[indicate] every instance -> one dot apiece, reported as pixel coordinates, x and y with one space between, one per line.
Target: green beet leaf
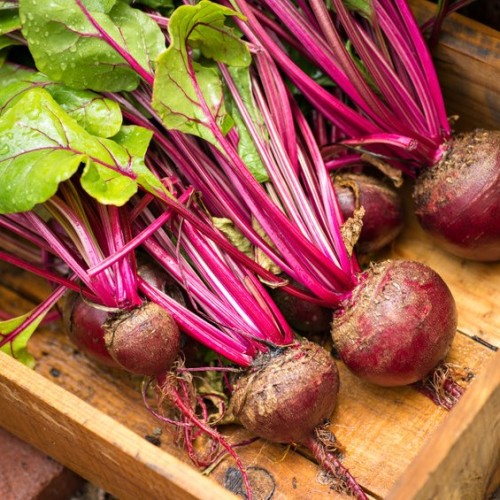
9 21
246 147
18 347
67 46
184 86
41 146
96 114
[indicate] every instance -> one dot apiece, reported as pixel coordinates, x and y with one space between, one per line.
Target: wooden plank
118 396
77 435
462 458
467 59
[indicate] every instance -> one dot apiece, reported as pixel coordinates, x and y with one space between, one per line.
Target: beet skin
383 218
145 340
398 325
83 324
458 200
287 393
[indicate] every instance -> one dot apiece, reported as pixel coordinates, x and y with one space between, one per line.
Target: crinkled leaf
180 80
18 347
67 47
41 146
9 21
246 146
234 235
96 114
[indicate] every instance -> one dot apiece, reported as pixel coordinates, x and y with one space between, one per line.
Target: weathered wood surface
94 420
463 451
468 62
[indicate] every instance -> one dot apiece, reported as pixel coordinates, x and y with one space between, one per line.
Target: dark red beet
458 200
83 323
398 325
383 218
145 340
287 394
303 316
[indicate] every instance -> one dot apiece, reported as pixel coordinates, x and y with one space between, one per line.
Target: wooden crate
398 444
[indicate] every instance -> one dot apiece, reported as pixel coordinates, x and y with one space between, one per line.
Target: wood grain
462 458
93 420
468 64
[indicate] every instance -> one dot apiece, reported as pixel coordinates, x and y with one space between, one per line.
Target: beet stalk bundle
396 112
105 316
294 204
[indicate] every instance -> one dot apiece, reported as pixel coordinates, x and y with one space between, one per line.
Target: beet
398 324
458 200
83 324
383 218
145 340
305 317
287 393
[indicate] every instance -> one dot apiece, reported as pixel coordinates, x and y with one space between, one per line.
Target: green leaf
67 47
41 146
363 7
180 80
18 347
234 235
5 42
246 146
134 139
96 114
9 21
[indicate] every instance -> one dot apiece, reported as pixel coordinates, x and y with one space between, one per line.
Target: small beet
398 325
303 316
144 340
458 200
83 324
383 218
287 393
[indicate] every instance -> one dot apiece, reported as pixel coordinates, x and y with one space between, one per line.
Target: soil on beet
458 200
399 324
287 393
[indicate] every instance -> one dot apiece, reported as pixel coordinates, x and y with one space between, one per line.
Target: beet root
305 317
83 324
398 325
458 200
145 340
287 393
383 218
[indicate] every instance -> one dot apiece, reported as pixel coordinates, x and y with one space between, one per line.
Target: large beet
398 325
287 393
458 200
383 218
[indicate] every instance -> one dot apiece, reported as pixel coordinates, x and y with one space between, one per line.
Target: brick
28 474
